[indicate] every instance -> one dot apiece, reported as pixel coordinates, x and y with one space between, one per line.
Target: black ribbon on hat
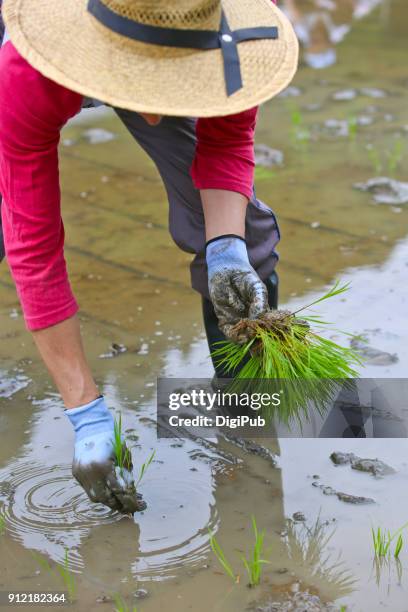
226 39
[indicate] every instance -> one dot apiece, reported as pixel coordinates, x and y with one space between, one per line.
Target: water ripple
46 510
38 500
174 535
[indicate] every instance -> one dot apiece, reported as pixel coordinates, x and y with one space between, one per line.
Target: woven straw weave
183 14
67 44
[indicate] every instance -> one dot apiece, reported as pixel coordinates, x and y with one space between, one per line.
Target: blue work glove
236 290
94 465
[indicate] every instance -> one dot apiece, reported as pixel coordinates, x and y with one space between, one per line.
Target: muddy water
133 287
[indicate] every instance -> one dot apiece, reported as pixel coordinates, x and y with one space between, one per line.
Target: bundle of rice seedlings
284 347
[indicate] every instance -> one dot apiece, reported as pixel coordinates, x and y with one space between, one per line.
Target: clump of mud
376 467
348 498
385 190
301 601
131 500
280 322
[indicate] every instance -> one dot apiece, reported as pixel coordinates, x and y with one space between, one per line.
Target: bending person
121 55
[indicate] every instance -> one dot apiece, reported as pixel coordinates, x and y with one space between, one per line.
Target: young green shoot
395 156
300 135
67 577
352 127
254 564
122 453
374 158
144 468
62 571
121 605
382 540
219 553
336 290
389 161
398 546
262 173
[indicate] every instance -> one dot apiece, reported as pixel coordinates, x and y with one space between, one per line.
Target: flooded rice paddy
335 127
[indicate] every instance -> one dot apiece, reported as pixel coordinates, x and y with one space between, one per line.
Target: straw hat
172 57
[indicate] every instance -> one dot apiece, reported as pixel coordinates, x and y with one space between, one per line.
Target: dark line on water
118 211
326 228
84 315
103 165
119 266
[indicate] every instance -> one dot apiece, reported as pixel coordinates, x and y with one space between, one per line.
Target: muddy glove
94 465
236 290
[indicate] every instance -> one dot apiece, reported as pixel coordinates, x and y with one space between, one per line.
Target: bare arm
61 348
224 212
223 170
30 123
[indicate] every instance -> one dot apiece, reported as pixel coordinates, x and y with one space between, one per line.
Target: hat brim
66 44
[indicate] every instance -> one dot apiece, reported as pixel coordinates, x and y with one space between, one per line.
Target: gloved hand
236 290
94 465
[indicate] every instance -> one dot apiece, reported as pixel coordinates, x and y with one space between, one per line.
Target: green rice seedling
122 453
61 571
398 546
296 117
374 158
280 346
254 564
389 161
121 605
395 156
67 577
262 173
2 524
352 128
382 540
144 468
300 135
219 553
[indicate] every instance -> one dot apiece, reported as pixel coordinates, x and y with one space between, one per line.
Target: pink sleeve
225 153
33 110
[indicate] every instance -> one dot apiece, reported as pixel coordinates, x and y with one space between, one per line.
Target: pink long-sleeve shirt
33 109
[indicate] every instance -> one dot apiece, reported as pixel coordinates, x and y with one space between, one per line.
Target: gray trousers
171 145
